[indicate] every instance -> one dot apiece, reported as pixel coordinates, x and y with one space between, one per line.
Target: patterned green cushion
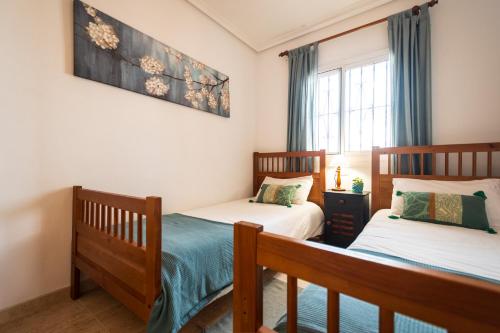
451 209
277 194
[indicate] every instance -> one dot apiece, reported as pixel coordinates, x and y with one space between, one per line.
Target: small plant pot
357 188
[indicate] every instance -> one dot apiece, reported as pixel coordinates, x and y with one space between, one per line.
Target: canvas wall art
111 52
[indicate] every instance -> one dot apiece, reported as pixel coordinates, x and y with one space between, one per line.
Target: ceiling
262 24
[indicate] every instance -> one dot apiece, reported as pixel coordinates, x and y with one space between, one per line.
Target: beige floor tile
120 320
82 325
63 317
97 301
33 306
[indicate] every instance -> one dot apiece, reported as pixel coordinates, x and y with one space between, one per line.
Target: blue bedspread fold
356 316
197 263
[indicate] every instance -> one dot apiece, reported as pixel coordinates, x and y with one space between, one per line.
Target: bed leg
77 216
75 282
247 292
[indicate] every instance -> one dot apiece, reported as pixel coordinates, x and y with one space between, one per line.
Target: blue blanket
356 316
197 263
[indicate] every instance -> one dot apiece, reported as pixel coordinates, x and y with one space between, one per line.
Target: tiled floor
96 311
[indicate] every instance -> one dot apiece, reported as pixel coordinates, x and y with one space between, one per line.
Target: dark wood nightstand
346 214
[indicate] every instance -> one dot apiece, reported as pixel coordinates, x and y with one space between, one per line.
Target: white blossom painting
111 52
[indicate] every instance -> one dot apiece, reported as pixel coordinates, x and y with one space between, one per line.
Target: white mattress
465 250
299 221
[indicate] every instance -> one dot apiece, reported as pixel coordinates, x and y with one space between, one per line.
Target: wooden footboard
457 303
109 245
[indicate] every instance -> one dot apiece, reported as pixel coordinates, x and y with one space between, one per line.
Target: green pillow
277 194
467 211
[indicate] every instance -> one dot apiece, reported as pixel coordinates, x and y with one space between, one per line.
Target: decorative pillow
443 208
277 194
491 187
302 193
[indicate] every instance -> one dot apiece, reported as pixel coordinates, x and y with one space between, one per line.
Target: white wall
57 130
465 62
466 71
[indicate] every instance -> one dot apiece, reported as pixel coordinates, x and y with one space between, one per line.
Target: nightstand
346 214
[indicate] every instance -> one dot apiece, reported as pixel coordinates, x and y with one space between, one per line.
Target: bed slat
291 302
474 164
103 217
115 221
93 214
410 164
446 164
388 164
90 210
434 164
489 171
460 162
131 227
422 163
108 220
386 321
122 224
333 319
139 230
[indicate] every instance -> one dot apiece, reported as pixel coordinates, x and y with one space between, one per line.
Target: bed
398 275
165 268
299 221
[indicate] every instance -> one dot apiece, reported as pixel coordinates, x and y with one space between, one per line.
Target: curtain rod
415 11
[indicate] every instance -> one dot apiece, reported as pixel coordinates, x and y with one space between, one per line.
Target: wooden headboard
442 162
291 165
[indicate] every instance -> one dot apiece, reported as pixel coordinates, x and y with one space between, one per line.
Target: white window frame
340 114
344 65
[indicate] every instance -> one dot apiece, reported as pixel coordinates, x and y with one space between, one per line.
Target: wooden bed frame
292 165
457 303
105 247
393 157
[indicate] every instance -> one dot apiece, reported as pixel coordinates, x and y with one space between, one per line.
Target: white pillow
302 193
491 188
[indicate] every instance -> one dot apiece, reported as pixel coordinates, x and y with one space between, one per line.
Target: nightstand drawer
343 203
346 224
341 230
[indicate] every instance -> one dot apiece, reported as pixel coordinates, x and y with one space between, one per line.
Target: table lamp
340 162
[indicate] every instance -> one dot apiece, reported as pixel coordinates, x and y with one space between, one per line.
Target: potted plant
357 185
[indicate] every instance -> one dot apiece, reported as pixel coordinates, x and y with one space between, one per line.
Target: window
328 111
353 111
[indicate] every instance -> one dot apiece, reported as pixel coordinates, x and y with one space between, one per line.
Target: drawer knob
341 202
328 223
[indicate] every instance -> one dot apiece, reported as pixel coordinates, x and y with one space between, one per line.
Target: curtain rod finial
283 54
416 9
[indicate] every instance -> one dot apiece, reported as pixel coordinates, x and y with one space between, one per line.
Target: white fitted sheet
299 221
465 250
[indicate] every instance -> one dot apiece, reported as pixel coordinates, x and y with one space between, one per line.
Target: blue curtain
410 58
302 91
